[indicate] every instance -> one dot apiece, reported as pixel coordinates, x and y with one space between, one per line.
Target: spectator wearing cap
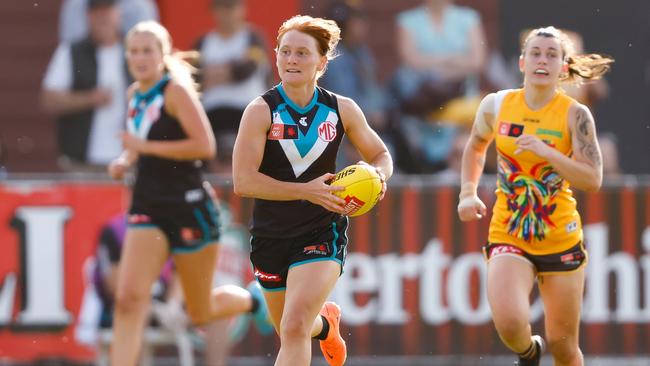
84 87
234 70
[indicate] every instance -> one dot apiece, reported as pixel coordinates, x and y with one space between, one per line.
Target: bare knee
131 301
511 327
295 327
565 349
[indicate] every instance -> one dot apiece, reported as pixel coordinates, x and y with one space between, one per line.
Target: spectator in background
451 174
73 27
172 209
352 73
609 149
442 50
234 69
84 86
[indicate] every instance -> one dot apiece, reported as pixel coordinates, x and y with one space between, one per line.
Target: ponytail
586 67
179 66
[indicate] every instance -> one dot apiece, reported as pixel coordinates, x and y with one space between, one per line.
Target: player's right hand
471 208
319 192
117 168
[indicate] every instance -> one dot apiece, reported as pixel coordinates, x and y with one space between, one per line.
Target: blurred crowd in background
423 108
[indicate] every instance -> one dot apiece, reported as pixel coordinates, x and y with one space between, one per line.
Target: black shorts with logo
566 261
188 226
272 257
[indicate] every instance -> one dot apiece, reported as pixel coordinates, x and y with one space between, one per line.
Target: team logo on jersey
327 131
510 129
281 131
304 150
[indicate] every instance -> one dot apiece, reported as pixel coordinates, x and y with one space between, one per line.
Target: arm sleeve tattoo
586 137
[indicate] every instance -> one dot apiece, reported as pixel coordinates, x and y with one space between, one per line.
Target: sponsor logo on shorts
194 195
572 259
139 219
267 277
505 249
318 249
190 234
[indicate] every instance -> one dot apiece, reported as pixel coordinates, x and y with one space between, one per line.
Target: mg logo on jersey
327 131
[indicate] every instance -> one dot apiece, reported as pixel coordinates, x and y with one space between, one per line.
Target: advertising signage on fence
414 281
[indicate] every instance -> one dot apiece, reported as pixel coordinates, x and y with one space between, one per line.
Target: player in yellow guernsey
546 142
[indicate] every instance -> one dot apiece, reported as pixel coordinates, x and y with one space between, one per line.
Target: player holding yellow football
284 156
545 141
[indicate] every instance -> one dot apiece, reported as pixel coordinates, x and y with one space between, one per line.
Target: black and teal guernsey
301 145
161 181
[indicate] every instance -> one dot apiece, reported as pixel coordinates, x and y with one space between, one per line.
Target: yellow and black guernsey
535 209
301 145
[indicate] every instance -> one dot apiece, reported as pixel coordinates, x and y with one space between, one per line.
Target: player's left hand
533 144
131 142
382 178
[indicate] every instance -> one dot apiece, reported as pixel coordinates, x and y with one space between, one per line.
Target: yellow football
362 188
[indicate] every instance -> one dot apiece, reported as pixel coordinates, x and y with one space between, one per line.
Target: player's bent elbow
595 187
210 152
240 188
592 185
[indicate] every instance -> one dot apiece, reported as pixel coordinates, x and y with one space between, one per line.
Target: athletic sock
255 304
531 352
326 328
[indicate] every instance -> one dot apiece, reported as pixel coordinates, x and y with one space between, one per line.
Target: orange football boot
333 346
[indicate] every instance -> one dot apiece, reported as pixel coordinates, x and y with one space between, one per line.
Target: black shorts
566 261
272 257
188 226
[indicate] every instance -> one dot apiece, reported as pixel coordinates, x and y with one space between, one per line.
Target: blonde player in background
172 207
545 141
